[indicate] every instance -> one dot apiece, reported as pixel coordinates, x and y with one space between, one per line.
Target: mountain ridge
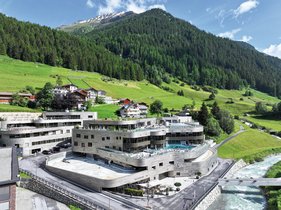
85 26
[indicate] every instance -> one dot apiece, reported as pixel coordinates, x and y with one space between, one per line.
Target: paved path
184 199
258 182
28 200
231 137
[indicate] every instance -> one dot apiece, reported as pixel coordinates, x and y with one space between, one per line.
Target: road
184 198
229 138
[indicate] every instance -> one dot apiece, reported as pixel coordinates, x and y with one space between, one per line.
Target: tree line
162 44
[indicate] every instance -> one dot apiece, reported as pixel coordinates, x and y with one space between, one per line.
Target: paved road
229 138
32 165
184 198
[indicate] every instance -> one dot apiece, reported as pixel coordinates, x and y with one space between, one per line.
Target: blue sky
254 21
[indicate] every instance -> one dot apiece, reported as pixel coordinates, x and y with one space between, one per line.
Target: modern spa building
119 153
35 132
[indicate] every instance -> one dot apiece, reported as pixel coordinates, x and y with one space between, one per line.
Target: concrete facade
8 178
35 132
150 149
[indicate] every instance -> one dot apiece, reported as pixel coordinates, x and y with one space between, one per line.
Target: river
245 198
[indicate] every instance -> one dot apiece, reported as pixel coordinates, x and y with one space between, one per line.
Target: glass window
5 206
90 144
78 135
75 143
86 136
82 144
4 193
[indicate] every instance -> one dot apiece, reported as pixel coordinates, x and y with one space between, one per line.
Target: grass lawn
24 175
10 108
105 110
250 144
271 123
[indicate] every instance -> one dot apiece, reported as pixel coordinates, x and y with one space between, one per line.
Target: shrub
135 192
177 184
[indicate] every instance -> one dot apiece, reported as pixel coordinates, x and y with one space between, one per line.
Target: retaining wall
214 193
57 193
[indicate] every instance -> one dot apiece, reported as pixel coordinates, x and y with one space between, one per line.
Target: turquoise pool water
178 146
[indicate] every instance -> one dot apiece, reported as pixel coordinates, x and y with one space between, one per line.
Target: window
67 131
90 116
4 193
86 136
75 143
61 131
114 147
82 144
154 167
161 164
92 136
172 162
78 135
90 144
5 206
178 173
108 138
103 138
116 137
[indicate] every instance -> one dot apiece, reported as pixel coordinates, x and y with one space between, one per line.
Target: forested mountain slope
32 42
163 44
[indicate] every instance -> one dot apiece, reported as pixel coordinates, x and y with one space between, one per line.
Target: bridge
258 182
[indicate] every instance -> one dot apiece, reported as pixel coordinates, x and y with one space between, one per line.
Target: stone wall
209 199
216 191
59 194
237 166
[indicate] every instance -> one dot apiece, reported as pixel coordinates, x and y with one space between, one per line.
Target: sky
257 22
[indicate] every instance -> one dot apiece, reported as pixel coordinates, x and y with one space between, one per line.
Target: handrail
57 188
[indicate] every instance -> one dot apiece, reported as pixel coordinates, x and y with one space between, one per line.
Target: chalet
133 110
124 101
70 87
6 97
130 110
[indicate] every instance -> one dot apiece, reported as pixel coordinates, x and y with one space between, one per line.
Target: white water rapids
245 198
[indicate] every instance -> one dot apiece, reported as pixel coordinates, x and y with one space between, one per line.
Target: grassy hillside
251 145
15 75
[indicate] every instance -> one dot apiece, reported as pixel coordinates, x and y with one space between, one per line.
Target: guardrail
196 203
82 201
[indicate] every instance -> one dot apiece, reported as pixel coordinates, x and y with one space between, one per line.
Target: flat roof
90 167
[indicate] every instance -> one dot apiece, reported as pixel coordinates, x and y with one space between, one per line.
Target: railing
196 203
82 201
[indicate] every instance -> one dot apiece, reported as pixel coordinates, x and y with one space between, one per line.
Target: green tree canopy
156 107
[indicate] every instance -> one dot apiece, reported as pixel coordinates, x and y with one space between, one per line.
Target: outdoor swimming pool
178 146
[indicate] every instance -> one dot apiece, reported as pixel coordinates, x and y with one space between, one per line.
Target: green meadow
16 74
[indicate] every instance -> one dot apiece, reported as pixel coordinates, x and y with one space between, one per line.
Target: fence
63 192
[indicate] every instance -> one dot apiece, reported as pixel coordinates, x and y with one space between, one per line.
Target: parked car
56 149
46 152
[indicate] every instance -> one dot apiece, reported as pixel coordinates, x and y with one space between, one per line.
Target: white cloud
273 50
246 38
246 7
230 34
90 3
110 6
157 6
137 6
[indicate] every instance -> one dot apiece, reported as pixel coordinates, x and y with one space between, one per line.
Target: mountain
162 44
32 42
85 26
153 45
